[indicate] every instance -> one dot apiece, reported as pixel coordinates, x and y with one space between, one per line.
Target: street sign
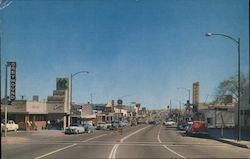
119 101
12 80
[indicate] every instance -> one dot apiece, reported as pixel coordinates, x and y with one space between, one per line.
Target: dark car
182 125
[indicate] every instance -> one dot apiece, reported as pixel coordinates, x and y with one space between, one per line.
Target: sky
137 50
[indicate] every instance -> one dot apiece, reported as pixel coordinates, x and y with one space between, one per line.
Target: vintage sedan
74 129
169 123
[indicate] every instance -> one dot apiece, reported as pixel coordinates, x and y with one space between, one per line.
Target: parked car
115 125
122 124
133 123
196 128
108 126
74 129
151 122
11 126
89 128
103 126
100 125
157 122
182 125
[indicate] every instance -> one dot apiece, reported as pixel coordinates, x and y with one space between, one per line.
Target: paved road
144 141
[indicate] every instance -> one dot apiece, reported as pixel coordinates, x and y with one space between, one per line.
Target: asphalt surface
144 141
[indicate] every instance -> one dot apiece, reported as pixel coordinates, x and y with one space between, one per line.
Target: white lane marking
93 138
47 154
113 151
115 147
133 133
173 151
158 137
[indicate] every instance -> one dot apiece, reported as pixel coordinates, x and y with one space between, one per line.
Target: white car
170 123
11 126
74 129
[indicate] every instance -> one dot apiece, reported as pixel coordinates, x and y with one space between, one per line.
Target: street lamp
71 77
237 41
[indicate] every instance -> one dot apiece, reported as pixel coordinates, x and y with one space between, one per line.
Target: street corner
13 140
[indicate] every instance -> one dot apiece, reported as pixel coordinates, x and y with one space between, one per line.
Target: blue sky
141 49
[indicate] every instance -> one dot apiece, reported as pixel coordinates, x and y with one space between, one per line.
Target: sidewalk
24 136
229 136
11 139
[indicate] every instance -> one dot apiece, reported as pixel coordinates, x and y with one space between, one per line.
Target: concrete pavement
144 141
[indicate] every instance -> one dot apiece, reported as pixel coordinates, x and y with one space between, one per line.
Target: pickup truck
197 128
11 126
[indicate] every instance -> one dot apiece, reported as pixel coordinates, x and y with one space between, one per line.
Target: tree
229 87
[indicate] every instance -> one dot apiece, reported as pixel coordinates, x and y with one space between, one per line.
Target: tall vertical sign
196 93
12 80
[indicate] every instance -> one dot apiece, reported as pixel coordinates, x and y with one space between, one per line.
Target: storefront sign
62 83
12 80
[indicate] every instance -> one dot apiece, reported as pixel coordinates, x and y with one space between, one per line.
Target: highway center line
93 138
47 154
158 137
115 147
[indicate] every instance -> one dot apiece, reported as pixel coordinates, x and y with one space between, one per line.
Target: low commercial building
245 109
29 115
33 115
219 117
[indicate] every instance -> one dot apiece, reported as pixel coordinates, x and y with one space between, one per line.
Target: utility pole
91 99
6 102
170 106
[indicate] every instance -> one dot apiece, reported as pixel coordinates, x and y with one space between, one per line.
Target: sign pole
6 101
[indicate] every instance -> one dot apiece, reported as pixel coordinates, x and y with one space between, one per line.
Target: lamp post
71 77
237 41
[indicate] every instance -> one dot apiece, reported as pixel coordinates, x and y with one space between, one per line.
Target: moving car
74 129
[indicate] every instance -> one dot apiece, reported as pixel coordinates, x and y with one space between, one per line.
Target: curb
230 142
226 141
